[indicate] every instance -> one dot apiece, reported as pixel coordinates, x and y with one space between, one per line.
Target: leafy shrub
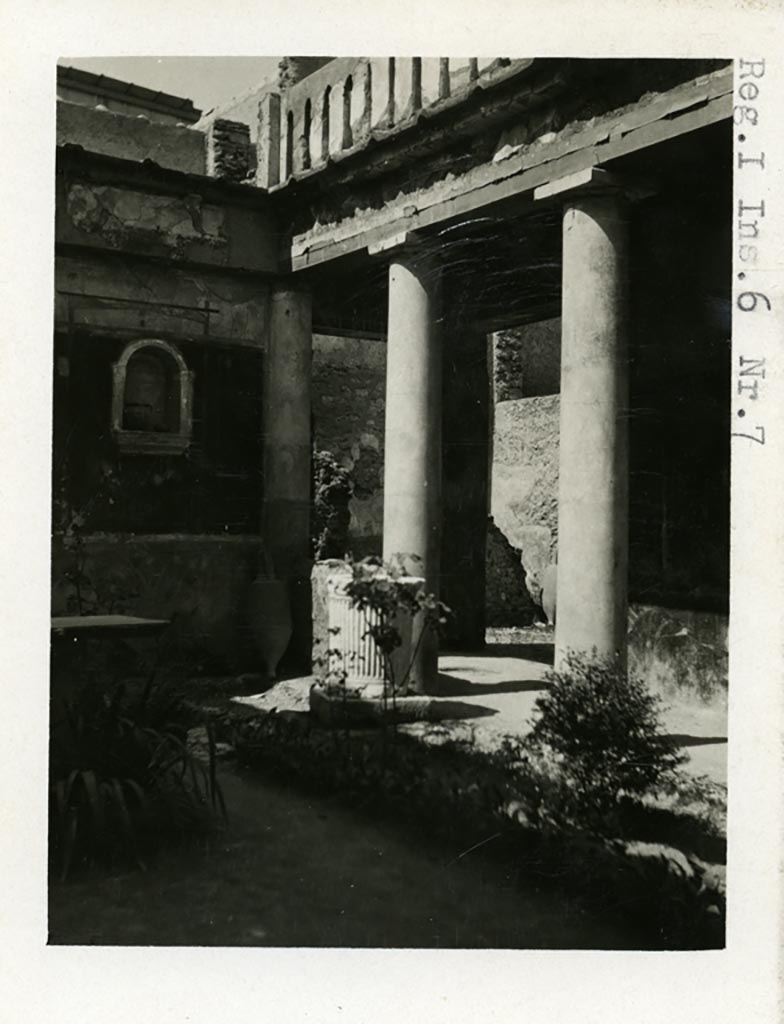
602 731
122 777
332 490
384 590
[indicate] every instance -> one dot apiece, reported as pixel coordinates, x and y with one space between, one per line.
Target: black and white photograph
408 420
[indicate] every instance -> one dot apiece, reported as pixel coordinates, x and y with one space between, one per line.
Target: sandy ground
492 694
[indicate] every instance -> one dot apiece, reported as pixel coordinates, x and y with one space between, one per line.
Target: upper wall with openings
335 109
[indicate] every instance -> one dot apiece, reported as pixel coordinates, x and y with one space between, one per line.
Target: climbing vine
332 490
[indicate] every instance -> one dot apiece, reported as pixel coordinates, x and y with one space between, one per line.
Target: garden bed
667 870
296 869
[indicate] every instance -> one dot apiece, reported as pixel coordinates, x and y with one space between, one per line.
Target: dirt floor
294 870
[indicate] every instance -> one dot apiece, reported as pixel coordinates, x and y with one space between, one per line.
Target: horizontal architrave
682 110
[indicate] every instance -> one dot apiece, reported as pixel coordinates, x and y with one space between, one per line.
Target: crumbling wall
524 495
507 601
131 138
230 154
192 224
526 364
293 69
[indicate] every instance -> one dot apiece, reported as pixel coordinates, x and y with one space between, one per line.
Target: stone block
268 143
431 74
361 100
338 710
460 74
336 119
380 113
404 89
316 147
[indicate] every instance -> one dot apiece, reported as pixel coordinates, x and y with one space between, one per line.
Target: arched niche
152 392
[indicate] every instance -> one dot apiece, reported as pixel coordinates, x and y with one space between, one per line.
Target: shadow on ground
684 740
458 709
457 686
541 652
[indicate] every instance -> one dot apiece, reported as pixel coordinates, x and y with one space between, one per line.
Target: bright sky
208 81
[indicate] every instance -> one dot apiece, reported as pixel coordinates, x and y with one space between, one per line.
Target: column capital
402 246
594 181
391 243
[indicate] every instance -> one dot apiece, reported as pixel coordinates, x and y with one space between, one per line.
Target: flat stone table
68 630
105 626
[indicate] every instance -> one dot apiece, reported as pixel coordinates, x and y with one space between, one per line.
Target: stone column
287 453
593 483
412 443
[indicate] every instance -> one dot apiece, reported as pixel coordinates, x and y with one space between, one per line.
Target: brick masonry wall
229 150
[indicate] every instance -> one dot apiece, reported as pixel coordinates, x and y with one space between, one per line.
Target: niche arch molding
170 427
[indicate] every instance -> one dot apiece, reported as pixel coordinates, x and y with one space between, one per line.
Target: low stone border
455 789
338 710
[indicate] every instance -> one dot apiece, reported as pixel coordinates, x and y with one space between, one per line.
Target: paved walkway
493 693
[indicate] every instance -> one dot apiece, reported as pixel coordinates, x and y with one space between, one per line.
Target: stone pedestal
359 657
593 478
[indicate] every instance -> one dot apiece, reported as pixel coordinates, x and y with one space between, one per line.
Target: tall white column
412 445
593 482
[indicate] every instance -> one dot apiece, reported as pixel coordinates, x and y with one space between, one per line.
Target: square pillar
268 143
466 461
412 446
593 490
287 455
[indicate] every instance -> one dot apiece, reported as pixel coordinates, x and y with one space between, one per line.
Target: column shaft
593 481
412 445
287 451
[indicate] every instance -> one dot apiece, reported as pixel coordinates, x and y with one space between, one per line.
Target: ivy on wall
332 490
508 366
